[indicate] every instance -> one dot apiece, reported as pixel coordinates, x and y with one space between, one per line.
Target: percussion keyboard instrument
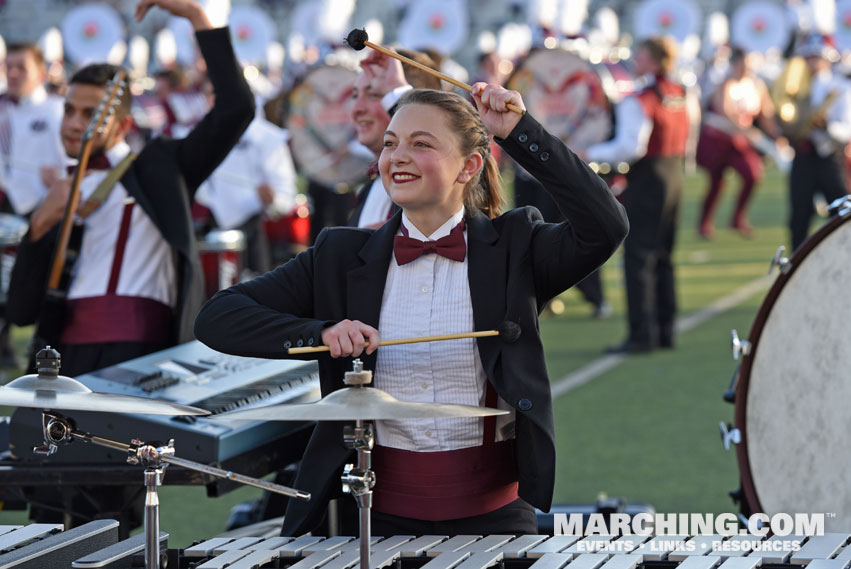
830 551
95 544
190 374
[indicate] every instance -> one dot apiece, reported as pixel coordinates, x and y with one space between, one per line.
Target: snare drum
794 389
221 259
12 230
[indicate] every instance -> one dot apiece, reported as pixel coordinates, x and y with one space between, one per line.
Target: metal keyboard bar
738 546
829 564
421 545
316 559
28 533
488 543
589 544
226 559
518 547
295 547
845 554
622 561
327 544
555 544
241 543
254 559
113 553
392 543
446 560
697 546
741 563
270 544
588 561
819 547
206 548
658 548
699 562
482 560
452 544
782 553
7 529
551 561
61 549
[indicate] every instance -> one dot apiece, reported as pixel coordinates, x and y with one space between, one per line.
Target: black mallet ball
357 39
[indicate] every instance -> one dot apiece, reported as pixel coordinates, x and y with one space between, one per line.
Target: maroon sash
447 485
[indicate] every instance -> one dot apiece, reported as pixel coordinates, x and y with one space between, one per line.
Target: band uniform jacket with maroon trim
517 263
163 180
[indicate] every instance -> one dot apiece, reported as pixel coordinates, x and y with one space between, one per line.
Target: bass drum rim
751 497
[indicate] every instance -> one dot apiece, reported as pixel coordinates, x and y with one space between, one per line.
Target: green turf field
647 430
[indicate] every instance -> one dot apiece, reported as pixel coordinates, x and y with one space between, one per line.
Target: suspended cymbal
60 392
357 403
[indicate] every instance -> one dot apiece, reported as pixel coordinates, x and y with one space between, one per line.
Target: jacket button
545 156
300 343
310 341
524 404
522 138
533 147
288 345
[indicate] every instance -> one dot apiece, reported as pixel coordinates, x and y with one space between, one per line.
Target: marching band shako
759 26
221 254
679 19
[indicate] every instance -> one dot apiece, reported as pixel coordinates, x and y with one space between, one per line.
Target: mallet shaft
482 334
431 71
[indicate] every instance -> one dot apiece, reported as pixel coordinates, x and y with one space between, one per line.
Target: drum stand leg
153 478
359 481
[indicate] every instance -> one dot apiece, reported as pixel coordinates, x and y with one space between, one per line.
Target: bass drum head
564 92
793 399
320 126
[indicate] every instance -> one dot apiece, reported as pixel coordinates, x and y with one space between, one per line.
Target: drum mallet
358 39
509 331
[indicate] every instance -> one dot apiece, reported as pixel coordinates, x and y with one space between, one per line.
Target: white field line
691 321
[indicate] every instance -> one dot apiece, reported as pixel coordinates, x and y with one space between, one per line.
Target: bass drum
792 399
567 94
319 122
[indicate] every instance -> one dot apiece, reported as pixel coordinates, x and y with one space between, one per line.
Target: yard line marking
691 321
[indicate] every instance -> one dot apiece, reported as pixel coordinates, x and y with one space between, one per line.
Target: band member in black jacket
448 262
136 284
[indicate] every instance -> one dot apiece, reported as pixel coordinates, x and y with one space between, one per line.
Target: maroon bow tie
452 246
96 162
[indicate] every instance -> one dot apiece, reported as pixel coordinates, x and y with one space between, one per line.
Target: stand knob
740 347
729 435
780 262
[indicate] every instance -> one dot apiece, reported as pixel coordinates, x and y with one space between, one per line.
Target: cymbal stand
359 480
154 456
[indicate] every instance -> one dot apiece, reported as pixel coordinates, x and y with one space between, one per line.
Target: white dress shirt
431 296
838 130
632 133
148 268
32 127
260 157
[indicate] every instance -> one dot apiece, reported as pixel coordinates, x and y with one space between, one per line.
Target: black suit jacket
517 263
163 179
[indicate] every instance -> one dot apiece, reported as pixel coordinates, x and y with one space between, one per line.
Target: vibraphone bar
96 545
829 551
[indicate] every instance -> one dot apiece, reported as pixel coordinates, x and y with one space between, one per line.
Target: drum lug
840 206
780 261
729 434
740 347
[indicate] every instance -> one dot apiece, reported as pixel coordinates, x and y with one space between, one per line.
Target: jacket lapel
366 283
486 268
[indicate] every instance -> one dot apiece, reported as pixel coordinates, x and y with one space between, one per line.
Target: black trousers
812 174
652 205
